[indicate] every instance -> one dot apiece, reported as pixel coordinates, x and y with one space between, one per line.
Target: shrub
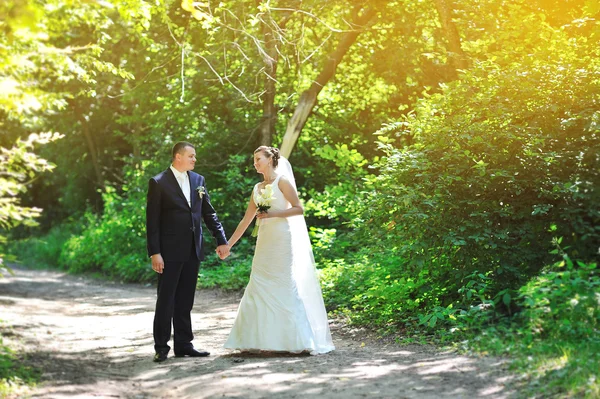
114 243
43 251
490 170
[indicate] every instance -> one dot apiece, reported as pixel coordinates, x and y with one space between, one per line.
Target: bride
282 308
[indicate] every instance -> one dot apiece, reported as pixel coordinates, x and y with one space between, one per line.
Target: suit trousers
174 302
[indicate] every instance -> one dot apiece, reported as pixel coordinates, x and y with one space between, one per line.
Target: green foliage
555 335
115 243
563 301
339 199
18 167
440 223
14 376
494 170
231 275
44 251
233 186
375 290
472 188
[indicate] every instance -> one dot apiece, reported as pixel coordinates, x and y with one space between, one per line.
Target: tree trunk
308 99
457 57
92 150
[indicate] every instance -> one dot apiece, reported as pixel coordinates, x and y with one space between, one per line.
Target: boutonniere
201 191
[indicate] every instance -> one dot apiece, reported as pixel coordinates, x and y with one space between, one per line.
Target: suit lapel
192 196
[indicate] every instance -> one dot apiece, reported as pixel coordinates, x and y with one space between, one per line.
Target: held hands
223 251
158 264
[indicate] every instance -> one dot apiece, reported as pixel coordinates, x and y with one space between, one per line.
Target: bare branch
316 50
269 76
143 80
67 50
308 99
312 16
239 90
256 41
236 45
210 66
181 99
173 36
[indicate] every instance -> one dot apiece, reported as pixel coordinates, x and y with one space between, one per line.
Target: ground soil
93 339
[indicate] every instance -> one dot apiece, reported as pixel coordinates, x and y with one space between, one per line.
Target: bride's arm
290 194
244 223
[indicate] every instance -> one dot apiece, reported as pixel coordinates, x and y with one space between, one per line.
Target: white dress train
272 315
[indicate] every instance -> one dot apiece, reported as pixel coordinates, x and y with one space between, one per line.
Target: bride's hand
263 215
267 214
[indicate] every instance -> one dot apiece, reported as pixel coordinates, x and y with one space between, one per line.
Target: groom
177 203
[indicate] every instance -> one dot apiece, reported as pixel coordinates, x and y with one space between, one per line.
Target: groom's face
186 159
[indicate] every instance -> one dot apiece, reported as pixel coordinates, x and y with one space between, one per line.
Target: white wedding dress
282 308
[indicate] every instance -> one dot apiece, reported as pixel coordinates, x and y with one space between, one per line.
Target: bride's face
261 162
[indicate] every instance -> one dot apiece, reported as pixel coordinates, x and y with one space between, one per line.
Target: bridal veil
305 273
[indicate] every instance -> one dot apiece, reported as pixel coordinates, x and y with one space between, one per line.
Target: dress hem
311 351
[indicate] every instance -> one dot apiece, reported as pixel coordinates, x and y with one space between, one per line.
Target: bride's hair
270 152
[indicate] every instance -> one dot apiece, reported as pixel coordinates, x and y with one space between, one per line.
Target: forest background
447 153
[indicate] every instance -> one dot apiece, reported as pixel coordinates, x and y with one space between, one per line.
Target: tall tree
308 99
276 42
270 58
458 58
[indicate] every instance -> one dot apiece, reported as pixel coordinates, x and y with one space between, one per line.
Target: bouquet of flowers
264 203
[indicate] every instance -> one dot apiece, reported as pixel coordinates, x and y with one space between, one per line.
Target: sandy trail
93 339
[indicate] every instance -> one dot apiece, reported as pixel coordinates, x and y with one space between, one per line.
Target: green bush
555 337
489 170
114 243
14 375
378 289
563 302
231 275
43 251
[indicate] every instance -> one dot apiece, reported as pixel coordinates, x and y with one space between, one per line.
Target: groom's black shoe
191 352
160 356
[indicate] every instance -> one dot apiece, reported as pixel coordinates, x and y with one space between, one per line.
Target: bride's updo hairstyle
270 152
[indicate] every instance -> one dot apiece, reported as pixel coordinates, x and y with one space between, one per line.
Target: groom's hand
223 251
158 264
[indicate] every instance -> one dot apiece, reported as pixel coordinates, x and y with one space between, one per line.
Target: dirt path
93 340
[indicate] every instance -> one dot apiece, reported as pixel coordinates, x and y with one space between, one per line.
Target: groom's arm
153 218
209 215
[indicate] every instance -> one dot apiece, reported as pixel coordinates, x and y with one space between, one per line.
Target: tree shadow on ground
114 357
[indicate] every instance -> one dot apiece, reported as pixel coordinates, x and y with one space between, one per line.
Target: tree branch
308 99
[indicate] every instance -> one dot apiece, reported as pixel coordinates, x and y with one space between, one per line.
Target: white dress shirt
184 183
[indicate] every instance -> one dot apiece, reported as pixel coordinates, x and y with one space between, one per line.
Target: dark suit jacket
171 224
